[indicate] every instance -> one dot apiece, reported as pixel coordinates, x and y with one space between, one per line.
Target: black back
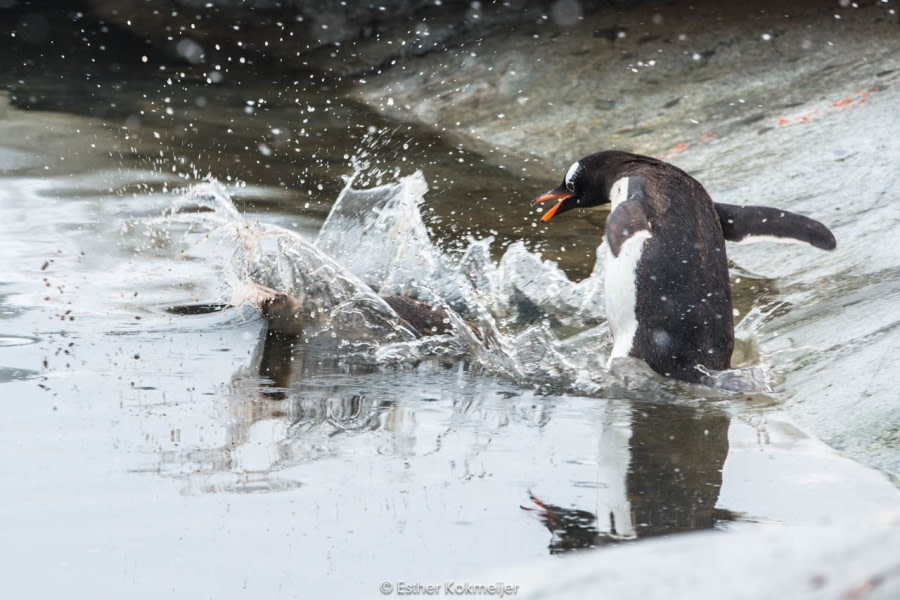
683 305
683 294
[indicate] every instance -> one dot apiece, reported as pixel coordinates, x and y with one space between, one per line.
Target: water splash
520 317
276 270
379 236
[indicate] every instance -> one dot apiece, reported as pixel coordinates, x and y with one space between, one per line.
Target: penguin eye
570 185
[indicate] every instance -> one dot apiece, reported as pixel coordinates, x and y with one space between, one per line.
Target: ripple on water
12 340
196 309
8 374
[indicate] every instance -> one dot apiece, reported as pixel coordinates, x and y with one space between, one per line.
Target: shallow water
156 438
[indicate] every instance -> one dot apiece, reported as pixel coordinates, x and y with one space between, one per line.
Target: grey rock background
654 78
555 79
333 35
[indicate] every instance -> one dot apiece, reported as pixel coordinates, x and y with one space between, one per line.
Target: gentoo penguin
668 297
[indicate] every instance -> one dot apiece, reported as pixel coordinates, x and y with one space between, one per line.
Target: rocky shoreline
539 84
654 78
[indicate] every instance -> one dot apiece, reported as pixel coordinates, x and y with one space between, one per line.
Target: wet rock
775 561
342 37
652 78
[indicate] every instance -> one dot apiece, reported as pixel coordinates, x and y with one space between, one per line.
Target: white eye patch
571 174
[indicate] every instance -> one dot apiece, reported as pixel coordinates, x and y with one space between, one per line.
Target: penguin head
587 183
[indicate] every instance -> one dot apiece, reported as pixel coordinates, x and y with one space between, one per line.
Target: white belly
621 292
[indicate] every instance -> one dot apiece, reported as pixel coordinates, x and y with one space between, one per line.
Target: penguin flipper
758 223
627 219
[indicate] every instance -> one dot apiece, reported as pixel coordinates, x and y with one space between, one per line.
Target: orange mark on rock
804 118
859 98
707 137
673 151
679 148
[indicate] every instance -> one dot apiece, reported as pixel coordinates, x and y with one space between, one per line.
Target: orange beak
551 196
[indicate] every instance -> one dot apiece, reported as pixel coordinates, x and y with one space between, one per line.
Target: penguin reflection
268 390
275 365
280 367
288 383
664 478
